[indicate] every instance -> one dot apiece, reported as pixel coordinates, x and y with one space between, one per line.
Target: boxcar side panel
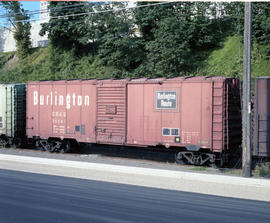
46 96
196 114
135 117
88 112
62 109
9 110
153 114
3 109
168 103
171 114
262 117
32 110
12 110
206 115
152 118
73 110
59 112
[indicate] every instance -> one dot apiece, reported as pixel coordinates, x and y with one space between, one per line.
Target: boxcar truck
198 117
12 114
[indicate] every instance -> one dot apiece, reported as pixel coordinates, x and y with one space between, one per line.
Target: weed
236 172
262 170
198 168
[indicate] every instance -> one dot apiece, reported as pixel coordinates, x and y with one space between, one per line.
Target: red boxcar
261 121
200 117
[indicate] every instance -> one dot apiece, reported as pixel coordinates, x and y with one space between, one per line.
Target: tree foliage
261 24
18 17
159 40
118 45
66 32
173 36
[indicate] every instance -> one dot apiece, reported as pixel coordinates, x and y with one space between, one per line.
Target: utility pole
246 113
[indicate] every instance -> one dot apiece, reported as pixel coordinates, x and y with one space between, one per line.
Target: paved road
28 197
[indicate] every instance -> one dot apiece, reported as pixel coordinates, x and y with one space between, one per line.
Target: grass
50 64
5 57
235 172
224 61
262 170
228 60
198 168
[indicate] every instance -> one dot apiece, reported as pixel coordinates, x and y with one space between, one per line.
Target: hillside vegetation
228 60
39 65
151 40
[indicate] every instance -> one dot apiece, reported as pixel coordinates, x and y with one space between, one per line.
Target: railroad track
129 156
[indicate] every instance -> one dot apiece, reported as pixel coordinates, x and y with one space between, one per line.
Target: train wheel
65 147
218 163
49 148
17 143
179 158
4 142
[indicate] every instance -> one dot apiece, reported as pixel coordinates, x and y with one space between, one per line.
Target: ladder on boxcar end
217 115
226 113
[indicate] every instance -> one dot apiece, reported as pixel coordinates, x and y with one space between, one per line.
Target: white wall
36 39
7 42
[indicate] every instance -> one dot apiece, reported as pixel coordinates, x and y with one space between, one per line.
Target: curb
201 177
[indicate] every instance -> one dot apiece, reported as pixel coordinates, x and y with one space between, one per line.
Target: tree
260 21
18 17
174 33
261 24
118 46
65 31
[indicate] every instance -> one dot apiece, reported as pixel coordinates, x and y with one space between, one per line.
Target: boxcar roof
136 80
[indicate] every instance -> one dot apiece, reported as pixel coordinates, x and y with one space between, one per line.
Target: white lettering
60 100
68 101
74 99
86 100
35 97
166 95
55 99
41 98
165 103
79 101
51 98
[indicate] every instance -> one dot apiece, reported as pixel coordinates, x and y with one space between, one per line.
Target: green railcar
12 113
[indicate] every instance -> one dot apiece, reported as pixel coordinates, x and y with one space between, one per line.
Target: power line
96 12
32 12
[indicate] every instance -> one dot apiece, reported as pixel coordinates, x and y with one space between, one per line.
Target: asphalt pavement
28 197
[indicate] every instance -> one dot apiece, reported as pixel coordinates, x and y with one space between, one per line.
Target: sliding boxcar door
111 112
